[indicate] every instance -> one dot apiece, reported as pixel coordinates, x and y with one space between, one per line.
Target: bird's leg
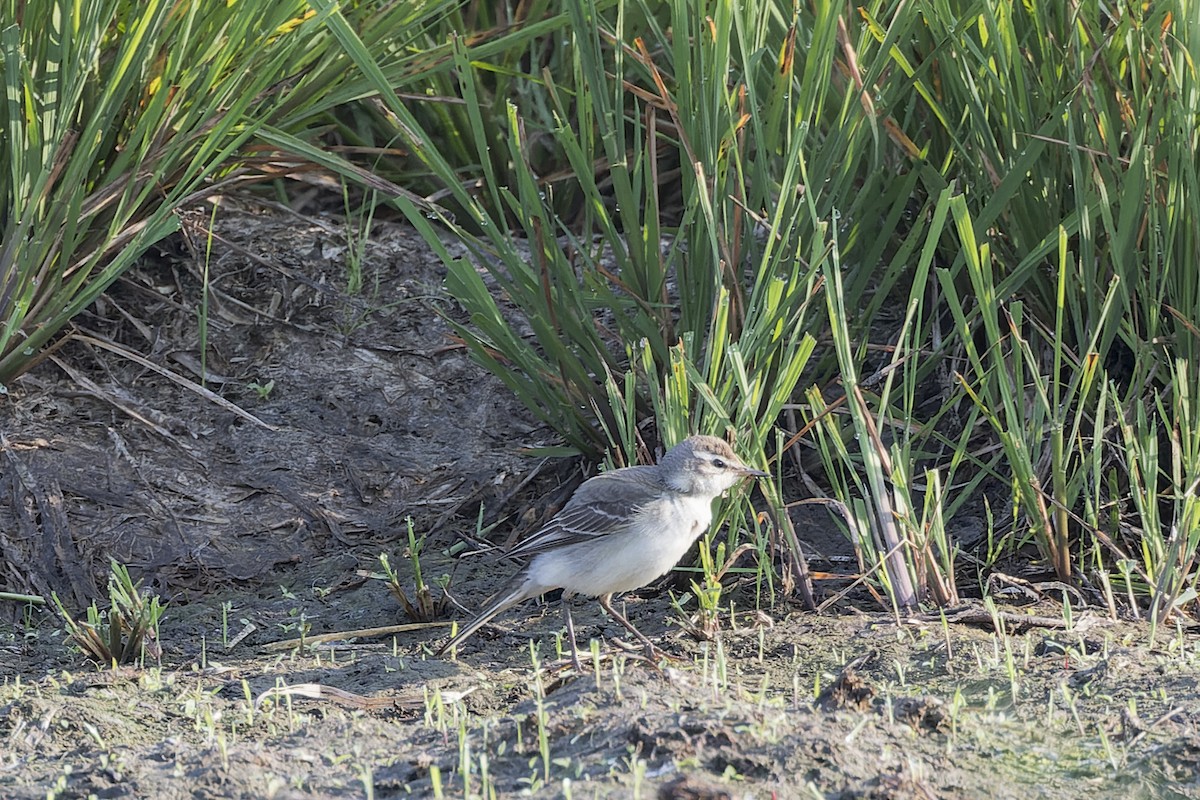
566 604
652 652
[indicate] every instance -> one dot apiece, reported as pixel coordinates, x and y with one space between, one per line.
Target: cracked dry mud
360 412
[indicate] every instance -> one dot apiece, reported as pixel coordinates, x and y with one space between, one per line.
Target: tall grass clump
668 229
1060 143
120 114
1074 292
117 114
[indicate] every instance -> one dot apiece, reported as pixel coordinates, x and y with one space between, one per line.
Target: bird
620 530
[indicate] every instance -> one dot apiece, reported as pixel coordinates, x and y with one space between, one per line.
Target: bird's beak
753 473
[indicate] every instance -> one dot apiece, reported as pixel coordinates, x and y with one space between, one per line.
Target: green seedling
127 631
263 390
435 780
358 235
423 607
704 624
541 715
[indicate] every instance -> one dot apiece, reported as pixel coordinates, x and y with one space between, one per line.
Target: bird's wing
602 505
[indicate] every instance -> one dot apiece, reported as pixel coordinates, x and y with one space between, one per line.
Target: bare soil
262 521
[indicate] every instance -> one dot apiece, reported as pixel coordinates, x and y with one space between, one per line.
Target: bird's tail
505 599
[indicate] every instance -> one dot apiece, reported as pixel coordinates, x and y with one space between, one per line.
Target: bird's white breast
621 561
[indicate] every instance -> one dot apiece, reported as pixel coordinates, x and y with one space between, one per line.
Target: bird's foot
647 651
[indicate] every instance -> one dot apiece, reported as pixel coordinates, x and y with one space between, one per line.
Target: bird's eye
719 463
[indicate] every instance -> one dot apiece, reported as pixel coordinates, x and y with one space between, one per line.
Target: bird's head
704 465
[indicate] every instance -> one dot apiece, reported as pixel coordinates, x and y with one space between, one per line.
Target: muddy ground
261 520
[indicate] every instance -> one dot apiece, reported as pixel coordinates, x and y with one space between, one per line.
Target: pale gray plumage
621 530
